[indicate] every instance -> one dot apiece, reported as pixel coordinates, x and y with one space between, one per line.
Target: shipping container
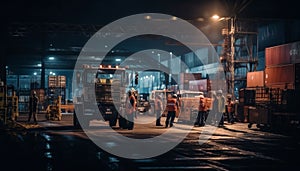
295 52
218 84
199 85
282 86
256 79
186 77
282 76
277 55
283 54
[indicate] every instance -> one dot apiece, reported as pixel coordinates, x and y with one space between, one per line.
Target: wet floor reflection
42 151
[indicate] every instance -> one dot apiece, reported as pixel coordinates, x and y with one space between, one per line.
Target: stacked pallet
56 88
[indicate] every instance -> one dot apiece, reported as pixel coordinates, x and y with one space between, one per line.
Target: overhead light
215 17
51 58
34 73
39 65
148 17
118 59
174 18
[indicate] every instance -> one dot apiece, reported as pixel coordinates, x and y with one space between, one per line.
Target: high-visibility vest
230 107
171 104
202 105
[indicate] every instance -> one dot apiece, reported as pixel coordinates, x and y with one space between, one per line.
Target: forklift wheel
249 125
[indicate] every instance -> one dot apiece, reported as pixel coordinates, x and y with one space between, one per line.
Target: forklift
53 111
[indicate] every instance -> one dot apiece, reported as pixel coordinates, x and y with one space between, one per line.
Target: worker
214 109
230 110
130 109
202 109
158 107
33 105
221 106
172 106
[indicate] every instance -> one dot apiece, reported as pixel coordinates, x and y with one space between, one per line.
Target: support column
43 75
232 54
3 62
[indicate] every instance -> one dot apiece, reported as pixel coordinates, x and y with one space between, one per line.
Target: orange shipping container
283 54
255 79
277 55
281 75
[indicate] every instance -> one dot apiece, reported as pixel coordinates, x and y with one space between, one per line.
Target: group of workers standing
220 106
172 107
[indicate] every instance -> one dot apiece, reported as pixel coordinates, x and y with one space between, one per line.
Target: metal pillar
3 64
232 54
43 75
240 52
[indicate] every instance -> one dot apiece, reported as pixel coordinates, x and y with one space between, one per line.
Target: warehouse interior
41 41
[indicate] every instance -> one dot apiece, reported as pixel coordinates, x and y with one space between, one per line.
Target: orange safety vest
202 105
171 104
230 107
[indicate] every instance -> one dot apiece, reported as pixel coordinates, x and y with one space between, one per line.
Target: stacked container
282 66
256 79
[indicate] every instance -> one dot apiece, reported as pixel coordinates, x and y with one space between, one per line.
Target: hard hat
34 92
219 92
229 96
201 97
174 95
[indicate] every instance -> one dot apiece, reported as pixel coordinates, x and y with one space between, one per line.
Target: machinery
270 107
109 83
189 105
